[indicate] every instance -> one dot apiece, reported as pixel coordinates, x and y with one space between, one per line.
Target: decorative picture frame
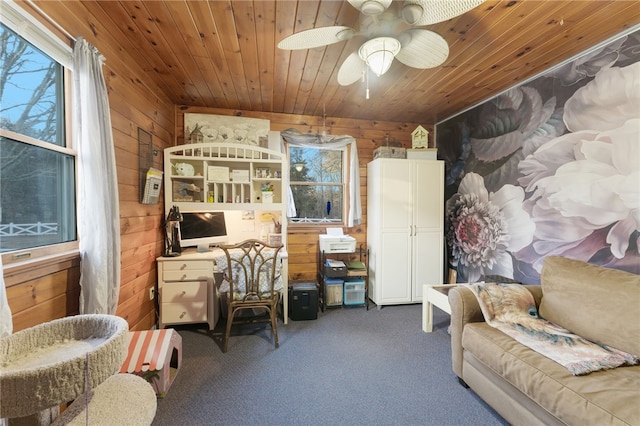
208 128
263 173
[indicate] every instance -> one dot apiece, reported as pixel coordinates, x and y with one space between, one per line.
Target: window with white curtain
37 162
317 180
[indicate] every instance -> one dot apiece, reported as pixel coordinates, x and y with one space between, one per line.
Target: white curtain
98 206
6 322
315 140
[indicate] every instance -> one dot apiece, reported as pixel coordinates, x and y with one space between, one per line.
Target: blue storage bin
353 291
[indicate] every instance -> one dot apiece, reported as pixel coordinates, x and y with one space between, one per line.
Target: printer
334 241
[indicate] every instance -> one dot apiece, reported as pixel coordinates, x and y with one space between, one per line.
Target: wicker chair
251 272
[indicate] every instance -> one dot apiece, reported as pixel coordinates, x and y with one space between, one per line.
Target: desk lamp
172 233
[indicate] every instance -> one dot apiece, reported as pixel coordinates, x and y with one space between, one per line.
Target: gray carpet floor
348 367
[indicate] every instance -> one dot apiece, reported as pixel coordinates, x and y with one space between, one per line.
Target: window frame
345 190
34 32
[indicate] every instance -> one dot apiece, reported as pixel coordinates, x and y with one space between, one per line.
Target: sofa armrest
464 310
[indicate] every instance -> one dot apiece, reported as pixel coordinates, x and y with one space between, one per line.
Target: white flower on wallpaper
589 64
609 100
485 228
585 184
513 125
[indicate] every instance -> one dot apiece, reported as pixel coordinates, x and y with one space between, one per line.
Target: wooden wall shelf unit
215 176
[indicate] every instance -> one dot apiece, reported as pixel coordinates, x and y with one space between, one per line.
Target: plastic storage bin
354 292
333 291
335 268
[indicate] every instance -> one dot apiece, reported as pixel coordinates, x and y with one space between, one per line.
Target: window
37 166
317 184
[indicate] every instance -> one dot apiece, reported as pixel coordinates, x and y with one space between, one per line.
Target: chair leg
227 333
274 326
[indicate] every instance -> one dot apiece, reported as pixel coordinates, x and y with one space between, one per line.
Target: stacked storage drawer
353 291
333 291
334 272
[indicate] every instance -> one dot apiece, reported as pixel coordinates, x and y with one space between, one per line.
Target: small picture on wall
207 128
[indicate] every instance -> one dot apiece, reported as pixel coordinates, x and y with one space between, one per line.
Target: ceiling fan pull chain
367 82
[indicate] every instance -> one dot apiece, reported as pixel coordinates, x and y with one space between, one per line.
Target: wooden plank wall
42 294
303 243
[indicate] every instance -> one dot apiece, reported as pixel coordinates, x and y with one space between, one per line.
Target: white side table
437 295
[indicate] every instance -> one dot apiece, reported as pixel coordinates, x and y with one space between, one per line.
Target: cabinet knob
182 315
183 267
183 276
184 293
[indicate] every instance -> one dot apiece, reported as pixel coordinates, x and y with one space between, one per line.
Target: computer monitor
203 229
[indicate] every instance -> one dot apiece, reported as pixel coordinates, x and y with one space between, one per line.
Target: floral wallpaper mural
551 167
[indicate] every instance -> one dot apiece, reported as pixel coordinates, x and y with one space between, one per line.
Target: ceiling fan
389 32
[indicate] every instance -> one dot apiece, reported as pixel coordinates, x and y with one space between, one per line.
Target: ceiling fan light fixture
412 12
378 53
373 7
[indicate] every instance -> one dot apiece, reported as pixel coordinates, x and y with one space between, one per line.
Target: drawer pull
184 292
182 315
183 267
184 276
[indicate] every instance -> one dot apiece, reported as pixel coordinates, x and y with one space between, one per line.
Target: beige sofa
526 388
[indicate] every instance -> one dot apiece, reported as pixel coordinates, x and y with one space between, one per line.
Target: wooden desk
203 303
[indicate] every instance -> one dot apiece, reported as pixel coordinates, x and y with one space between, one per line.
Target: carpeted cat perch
56 362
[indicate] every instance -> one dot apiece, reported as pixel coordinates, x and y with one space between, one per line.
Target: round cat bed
46 365
122 399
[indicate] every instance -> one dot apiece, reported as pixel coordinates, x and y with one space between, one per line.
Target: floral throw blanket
511 309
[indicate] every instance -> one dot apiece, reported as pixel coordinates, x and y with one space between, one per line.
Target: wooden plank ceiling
223 54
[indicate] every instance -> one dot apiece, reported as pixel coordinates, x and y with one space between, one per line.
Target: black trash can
303 301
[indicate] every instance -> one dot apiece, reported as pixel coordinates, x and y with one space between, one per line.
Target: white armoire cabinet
405 228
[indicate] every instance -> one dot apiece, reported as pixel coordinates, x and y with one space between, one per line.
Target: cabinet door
428 211
394 274
396 194
427 261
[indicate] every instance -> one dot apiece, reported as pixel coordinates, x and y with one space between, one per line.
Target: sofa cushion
603 397
597 303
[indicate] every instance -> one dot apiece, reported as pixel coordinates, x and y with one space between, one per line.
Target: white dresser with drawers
187 291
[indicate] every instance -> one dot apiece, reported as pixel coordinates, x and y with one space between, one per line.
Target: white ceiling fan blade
351 69
370 7
427 12
316 37
422 48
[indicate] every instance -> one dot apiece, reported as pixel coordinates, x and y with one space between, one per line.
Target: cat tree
73 358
